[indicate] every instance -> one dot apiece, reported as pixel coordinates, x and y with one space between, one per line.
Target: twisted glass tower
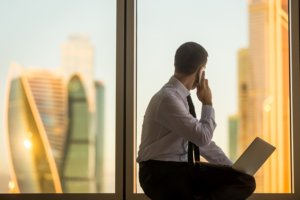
52 134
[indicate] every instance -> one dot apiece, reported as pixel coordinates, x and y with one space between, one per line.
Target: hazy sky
32 32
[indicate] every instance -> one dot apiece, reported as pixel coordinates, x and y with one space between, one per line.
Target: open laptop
254 156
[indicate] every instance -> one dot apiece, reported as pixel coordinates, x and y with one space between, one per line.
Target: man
172 137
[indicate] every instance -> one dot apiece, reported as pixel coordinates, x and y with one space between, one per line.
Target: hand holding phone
201 76
203 90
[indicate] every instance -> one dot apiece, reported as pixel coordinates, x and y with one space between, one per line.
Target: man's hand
203 91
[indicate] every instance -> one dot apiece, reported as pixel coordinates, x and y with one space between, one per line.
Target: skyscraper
245 100
79 166
267 113
100 106
77 57
36 129
233 122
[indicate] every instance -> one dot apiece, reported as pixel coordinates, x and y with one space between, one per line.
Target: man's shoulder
164 95
167 91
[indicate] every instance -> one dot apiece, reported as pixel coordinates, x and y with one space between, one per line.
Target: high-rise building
99 133
245 100
77 57
37 122
267 113
79 166
233 122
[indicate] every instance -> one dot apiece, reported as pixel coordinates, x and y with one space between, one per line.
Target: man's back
157 137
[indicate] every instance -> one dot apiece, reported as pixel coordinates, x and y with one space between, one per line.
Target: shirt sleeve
214 154
174 115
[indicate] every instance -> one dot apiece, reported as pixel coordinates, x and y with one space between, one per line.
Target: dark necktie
193 150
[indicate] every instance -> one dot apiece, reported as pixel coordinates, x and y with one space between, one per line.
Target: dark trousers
164 180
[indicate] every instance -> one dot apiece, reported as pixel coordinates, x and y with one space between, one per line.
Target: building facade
264 91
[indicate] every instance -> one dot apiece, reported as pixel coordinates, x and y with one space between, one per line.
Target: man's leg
222 182
166 180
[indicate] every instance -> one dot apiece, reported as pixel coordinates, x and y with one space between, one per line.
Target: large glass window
248 72
58 88
68 66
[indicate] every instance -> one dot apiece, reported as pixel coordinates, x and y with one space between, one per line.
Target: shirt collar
182 90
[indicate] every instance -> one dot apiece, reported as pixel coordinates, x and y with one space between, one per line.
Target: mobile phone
200 76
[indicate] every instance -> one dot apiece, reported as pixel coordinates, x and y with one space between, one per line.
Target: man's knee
249 183
252 184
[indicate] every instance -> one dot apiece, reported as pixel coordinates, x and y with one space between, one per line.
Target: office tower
245 100
77 57
78 170
36 116
233 122
99 132
268 90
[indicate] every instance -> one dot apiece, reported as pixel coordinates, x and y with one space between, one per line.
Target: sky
33 31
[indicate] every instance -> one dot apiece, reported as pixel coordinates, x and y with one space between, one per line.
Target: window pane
57 96
248 72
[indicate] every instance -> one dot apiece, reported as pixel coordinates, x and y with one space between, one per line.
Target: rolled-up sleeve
175 116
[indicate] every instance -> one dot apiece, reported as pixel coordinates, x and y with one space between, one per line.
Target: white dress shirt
168 126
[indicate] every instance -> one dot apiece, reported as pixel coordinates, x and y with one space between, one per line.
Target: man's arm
214 154
177 118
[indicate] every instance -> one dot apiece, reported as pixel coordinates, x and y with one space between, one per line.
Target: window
253 70
116 34
58 97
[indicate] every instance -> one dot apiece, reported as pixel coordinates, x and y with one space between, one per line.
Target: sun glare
27 144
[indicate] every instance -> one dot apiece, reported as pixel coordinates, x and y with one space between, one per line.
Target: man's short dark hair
189 56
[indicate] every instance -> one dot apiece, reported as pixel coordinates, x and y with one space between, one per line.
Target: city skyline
55 147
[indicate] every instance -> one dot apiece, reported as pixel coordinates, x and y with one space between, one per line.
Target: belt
158 163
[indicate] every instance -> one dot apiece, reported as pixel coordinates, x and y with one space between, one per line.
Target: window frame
130 120
120 124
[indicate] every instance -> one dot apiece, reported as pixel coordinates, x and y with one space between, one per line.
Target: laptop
254 156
